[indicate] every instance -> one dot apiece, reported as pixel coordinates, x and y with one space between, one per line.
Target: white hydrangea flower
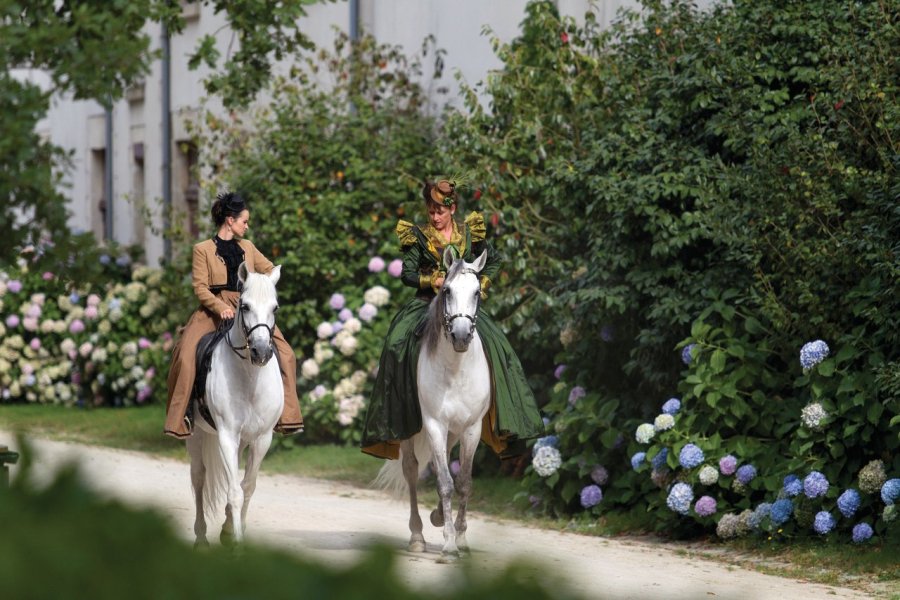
377 295
813 416
664 422
546 461
644 433
352 325
309 369
324 330
709 475
358 378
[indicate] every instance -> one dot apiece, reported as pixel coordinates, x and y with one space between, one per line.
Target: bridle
247 331
448 319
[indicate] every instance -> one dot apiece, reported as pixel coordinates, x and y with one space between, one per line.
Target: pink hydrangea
728 465
91 312
93 300
376 264
143 343
76 326
47 276
395 268
14 286
337 301
12 321
35 344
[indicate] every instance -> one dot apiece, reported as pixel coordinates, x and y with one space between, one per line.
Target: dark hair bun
228 204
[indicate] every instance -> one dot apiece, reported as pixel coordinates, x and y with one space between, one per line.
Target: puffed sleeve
200 282
261 264
478 232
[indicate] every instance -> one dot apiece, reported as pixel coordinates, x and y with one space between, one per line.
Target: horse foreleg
255 454
198 473
410 465
232 529
438 438
468 445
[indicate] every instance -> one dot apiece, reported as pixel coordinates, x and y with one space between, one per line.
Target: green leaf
717 361
826 367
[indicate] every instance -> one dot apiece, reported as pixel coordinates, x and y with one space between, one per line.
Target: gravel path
332 522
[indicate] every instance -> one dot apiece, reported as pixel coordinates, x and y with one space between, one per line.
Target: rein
247 332
448 319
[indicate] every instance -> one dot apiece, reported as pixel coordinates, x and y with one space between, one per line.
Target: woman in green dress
393 414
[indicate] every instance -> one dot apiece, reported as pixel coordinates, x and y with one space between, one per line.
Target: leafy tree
96 49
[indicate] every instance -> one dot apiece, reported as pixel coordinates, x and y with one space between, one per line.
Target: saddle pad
204 365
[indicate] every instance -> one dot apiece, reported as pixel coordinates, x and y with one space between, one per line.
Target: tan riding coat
209 271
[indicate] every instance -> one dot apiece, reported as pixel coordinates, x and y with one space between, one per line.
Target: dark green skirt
394 412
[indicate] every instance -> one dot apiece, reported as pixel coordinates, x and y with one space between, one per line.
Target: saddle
204 354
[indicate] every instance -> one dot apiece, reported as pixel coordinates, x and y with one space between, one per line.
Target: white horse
454 384
245 397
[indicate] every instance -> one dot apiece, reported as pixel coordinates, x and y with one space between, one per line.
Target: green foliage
329 167
725 178
96 49
64 541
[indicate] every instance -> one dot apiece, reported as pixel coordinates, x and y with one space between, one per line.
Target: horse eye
275 310
245 308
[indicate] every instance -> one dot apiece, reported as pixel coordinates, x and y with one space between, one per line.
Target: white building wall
78 126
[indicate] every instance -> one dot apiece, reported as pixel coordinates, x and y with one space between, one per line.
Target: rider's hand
228 313
437 283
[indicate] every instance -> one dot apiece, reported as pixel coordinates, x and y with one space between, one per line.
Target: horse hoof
417 546
437 518
226 538
448 558
201 543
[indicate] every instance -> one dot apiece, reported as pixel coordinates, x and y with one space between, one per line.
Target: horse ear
448 257
478 265
242 272
275 274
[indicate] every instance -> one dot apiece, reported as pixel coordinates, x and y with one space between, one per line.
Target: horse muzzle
261 354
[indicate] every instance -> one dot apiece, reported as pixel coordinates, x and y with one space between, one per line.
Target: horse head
256 312
461 294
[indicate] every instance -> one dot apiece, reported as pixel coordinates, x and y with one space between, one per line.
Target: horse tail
215 483
391 478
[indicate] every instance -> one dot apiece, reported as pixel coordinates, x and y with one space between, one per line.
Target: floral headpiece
444 192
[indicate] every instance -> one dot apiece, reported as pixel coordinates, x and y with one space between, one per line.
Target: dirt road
332 522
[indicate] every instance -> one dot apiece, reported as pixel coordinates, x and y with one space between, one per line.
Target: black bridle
247 332
448 318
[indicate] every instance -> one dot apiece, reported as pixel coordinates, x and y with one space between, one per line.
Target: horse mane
434 320
258 287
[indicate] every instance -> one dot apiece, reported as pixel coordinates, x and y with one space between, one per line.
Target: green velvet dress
393 413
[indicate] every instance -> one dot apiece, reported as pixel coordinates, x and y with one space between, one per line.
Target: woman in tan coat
215 282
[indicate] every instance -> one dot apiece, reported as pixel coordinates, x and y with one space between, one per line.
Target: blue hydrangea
659 461
824 522
637 460
549 440
812 353
792 485
591 496
848 502
890 491
861 532
781 511
686 357
671 406
680 497
746 474
690 456
763 510
814 485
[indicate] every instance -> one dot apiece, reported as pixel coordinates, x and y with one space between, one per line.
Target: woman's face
440 215
239 224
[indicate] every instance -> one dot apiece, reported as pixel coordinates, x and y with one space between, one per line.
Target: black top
233 255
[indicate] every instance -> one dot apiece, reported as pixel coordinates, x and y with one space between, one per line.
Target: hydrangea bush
86 344
336 379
